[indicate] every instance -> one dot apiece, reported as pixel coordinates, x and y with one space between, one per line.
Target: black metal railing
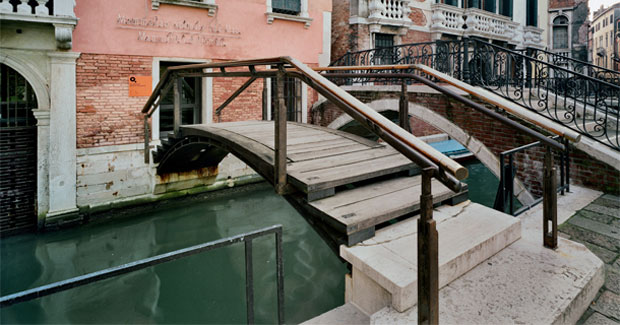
505 197
578 101
563 60
246 238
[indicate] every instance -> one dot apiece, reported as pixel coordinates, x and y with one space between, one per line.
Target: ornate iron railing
563 60
578 101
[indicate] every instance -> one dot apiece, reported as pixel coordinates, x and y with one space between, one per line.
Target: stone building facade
90 86
364 24
605 29
568 28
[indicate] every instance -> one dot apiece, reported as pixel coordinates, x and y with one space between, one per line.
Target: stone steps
521 282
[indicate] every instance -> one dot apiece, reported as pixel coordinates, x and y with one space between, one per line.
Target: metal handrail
246 238
505 192
448 92
446 170
576 100
575 62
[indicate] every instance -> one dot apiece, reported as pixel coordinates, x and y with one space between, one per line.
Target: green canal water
205 288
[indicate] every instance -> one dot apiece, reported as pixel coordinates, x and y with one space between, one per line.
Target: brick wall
584 171
106 115
247 106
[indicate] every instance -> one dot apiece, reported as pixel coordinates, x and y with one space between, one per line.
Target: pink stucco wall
239 30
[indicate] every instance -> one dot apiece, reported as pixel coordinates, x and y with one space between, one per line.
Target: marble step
469 233
523 284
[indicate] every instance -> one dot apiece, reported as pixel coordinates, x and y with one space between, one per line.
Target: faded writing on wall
191 32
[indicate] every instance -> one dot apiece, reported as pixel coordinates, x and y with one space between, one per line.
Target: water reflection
205 288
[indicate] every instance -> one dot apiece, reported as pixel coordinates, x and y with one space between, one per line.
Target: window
385 53
290 7
489 5
191 102
532 13
505 8
206 4
292 98
560 32
293 10
448 2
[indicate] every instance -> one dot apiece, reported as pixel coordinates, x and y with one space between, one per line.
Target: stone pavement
597 226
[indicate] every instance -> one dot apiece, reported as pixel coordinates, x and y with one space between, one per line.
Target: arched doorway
18 152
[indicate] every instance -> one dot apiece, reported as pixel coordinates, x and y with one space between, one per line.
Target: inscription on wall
161 31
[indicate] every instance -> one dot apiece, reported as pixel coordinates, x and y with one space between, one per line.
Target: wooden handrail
409 145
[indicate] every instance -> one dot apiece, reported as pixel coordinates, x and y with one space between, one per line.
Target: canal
205 288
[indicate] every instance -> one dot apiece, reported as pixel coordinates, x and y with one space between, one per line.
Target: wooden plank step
367 206
336 173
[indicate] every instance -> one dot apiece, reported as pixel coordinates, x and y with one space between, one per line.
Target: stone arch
33 76
475 146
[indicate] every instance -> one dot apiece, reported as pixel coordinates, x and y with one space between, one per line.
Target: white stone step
345 314
385 267
523 284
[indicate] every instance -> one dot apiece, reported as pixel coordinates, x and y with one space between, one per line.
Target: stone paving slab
591 237
598 319
603 218
612 281
594 226
604 254
603 209
598 227
608 304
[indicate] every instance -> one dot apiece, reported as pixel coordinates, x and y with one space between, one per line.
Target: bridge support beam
280 135
403 107
428 256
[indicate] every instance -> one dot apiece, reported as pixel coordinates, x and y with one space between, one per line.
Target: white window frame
302 17
205 4
207 91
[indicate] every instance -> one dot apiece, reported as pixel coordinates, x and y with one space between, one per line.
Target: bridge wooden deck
349 183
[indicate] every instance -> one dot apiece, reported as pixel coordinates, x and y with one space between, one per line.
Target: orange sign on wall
140 86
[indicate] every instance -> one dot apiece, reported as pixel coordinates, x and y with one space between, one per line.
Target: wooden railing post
428 260
177 104
403 107
147 154
280 135
550 202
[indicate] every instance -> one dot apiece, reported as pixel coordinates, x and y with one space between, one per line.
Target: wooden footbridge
349 183
344 185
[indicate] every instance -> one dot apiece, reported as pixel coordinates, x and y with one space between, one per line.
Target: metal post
403 107
147 154
249 282
567 156
265 101
280 276
280 135
550 202
177 104
510 184
428 260
466 72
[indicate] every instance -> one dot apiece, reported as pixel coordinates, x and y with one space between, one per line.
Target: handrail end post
428 260
550 202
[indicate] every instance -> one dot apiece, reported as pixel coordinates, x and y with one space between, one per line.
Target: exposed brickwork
415 36
417 17
247 106
554 4
106 115
497 137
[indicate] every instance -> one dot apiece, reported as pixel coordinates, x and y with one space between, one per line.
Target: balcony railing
46 11
475 22
389 12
